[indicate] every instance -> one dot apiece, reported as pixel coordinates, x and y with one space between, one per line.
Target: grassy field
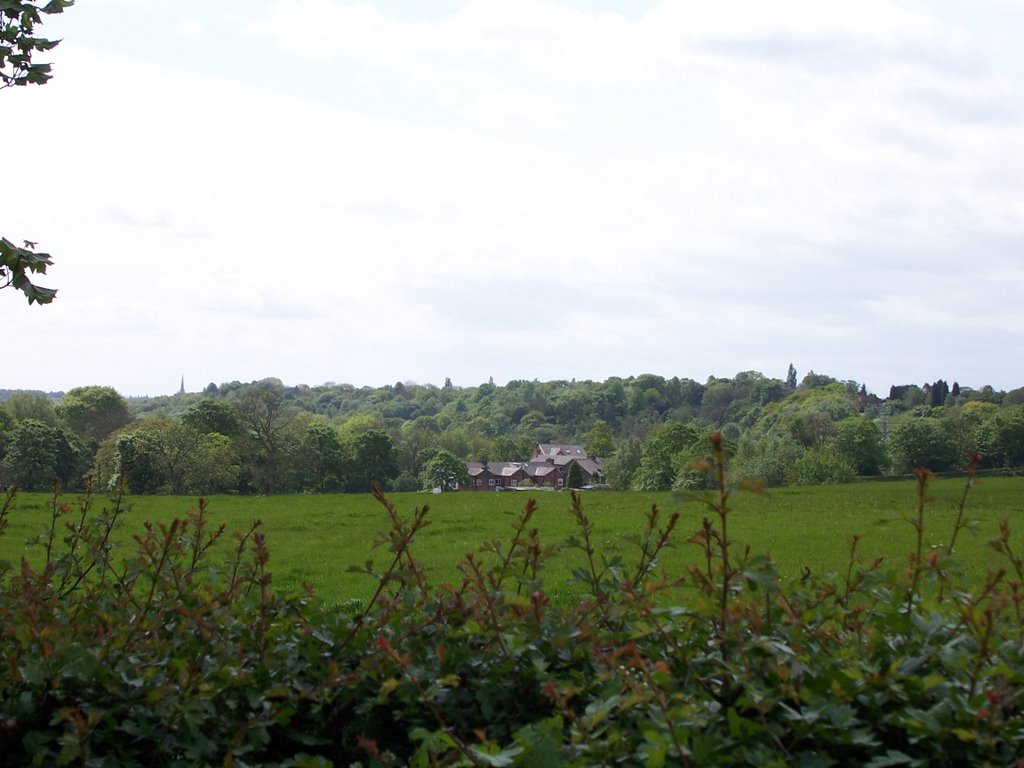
315 538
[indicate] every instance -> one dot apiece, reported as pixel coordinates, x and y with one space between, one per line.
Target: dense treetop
265 437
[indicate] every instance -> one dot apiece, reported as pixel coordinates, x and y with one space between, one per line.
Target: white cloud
190 27
705 187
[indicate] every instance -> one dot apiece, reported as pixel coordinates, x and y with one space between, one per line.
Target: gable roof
495 468
559 449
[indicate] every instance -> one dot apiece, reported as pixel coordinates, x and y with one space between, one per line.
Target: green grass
314 538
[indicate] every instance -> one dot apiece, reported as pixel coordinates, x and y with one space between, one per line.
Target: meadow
314 539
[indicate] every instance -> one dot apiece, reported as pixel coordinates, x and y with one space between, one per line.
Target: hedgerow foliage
184 655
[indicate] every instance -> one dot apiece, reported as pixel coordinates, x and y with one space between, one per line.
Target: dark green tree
164 455
30 461
213 416
322 458
267 440
574 477
916 441
373 461
1008 442
136 463
94 412
939 393
6 425
73 457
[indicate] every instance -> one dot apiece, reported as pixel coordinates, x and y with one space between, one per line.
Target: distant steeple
182 390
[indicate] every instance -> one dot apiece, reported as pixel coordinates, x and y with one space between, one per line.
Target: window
491 481
561 481
479 482
513 482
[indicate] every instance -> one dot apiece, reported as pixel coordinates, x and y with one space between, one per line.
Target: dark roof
559 449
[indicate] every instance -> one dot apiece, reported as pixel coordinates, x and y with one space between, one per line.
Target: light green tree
217 466
600 440
657 469
445 471
26 405
823 466
859 441
621 467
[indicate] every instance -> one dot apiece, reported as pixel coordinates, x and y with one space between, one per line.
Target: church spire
182 390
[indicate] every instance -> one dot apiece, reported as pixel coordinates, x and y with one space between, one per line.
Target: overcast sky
409 190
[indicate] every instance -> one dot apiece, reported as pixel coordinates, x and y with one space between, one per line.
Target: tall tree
600 440
1008 442
574 477
213 416
859 441
18 44
322 458
445 471
657 469
94 412
31 456
266 434
25 405
373 460
791 378
916 441
621 467
169 456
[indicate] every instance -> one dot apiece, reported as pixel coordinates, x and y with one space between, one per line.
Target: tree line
264 437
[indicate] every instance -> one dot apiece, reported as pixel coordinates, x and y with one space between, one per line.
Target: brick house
494 475
548 467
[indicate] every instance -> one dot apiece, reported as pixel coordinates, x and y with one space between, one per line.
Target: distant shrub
822 467
184 655
770 459
405 483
